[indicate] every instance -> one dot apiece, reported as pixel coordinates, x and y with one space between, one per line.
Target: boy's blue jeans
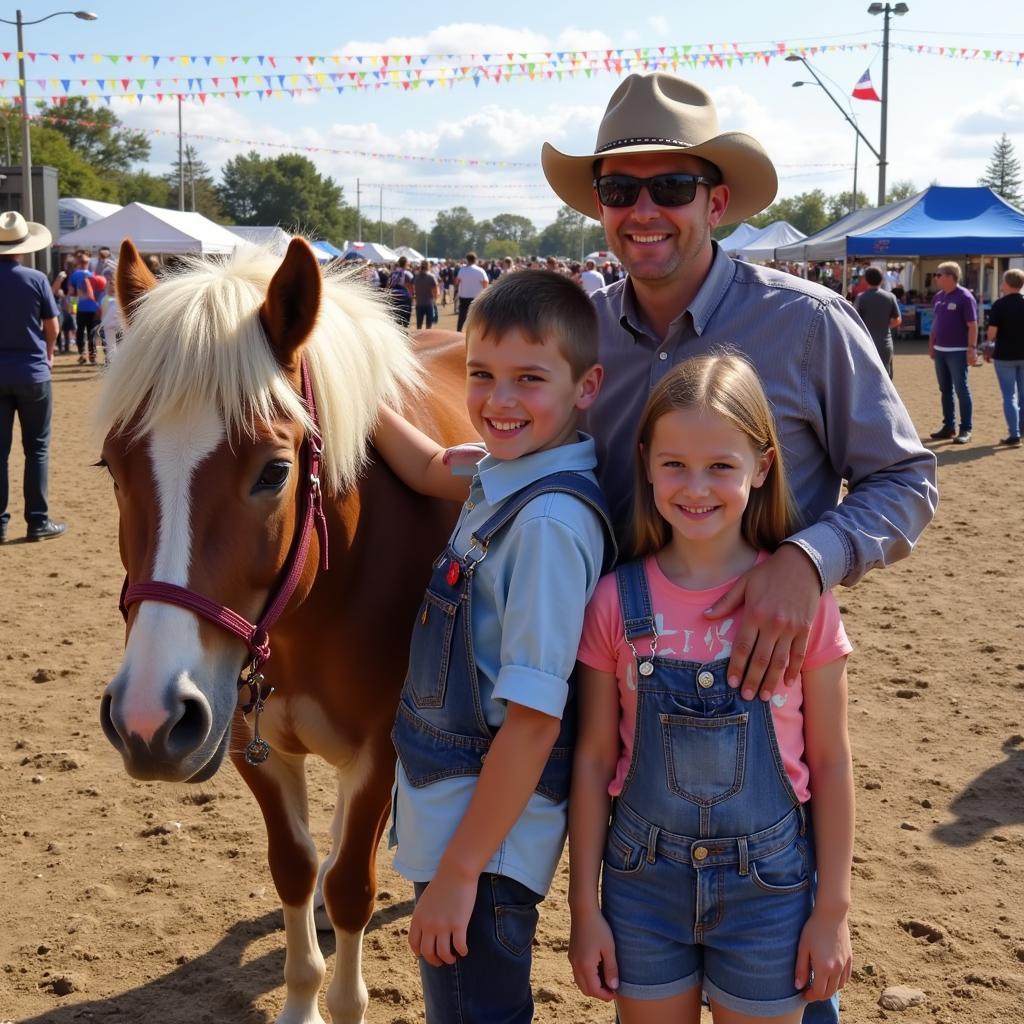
491 985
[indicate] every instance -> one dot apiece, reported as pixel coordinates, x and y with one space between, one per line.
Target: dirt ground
111 912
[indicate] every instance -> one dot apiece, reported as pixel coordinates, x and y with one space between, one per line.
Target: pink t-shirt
684 633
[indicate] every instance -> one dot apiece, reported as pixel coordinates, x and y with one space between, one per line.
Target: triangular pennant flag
864 90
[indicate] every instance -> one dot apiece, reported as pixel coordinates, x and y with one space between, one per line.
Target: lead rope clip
258 749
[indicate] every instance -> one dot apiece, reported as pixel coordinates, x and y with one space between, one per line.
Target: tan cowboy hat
660 113
18 235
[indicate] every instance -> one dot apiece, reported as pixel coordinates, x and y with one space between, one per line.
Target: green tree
903 189
143 187
1003 173
841 204
200 188
572 235
286 190
499 248
514 228
75 175
807 212
453 233
405 231
96 134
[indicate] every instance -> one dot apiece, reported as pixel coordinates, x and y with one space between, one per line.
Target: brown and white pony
204 428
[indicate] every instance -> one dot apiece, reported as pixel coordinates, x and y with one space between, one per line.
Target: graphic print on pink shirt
685 635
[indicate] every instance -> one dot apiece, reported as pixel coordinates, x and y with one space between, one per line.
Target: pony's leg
279 785
320 916
350 885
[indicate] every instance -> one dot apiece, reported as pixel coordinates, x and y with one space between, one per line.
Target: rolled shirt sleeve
872 443
549 571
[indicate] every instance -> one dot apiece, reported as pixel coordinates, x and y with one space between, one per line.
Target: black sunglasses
664 189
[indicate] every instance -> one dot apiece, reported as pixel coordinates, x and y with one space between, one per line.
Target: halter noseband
256 636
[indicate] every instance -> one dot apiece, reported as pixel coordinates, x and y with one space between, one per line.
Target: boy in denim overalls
484 728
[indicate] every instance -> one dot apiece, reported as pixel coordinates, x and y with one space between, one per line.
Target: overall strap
635 599
575 484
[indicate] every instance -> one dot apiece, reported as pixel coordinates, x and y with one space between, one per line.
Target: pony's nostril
108 726
191 728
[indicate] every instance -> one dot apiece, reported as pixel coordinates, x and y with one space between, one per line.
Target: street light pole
887 11
27 208
852 123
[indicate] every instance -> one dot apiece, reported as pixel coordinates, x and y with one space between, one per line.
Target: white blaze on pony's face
164 642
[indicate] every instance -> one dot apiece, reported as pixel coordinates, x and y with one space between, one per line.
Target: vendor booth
155 231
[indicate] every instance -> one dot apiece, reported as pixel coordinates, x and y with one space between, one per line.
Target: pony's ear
134 278
290 309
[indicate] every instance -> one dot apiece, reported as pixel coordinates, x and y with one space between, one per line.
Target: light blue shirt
529 596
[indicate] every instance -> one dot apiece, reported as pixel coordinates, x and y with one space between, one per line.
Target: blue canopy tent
945 221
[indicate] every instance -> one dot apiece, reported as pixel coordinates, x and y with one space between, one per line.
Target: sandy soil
105 916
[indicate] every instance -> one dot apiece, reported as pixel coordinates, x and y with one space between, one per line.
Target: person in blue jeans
713 878
28 333
1005 335
953 345
485 724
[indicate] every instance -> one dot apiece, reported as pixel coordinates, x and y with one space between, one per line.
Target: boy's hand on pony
437 931
592 955
464 456
779 597
824 959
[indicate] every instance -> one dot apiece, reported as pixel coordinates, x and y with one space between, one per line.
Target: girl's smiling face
702 469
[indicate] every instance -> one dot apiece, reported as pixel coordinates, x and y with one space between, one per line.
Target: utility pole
887 11
380 217
359 216
181 164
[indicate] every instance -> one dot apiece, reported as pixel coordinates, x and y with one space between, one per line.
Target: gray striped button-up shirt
838 415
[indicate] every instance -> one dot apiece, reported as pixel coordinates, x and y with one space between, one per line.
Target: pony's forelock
195 342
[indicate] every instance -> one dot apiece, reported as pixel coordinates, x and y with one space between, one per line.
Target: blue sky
944 118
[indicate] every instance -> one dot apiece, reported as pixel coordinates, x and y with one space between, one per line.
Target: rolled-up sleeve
549 571
873 444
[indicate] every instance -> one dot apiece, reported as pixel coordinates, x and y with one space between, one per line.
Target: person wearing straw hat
660 178
28 334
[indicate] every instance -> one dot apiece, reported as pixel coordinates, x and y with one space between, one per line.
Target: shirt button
700 853
705 679
663 356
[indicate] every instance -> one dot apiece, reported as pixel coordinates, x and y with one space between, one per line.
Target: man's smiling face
661 243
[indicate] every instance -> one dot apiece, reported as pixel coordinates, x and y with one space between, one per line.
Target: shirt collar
704 303
501 478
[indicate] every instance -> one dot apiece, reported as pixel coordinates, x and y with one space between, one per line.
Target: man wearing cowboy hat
28 333
661 177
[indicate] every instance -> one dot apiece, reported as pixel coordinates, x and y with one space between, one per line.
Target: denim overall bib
440 731
708 864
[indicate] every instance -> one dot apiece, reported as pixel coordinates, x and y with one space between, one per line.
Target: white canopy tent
739 237
274 238
77 213
375 252
763 245
410 254
155 230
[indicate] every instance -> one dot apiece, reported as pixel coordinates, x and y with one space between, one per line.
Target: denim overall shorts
709 865
440 731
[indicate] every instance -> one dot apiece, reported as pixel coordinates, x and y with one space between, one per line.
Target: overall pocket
704 757
785 871
623 855
430 651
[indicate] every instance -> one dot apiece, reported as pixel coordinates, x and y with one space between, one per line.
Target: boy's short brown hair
1014 278
545 307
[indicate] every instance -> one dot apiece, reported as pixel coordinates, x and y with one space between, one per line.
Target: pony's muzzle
173 746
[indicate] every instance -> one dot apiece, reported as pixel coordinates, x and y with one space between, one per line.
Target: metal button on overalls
700 853
705 679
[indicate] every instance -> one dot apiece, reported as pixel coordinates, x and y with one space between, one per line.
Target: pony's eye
273 476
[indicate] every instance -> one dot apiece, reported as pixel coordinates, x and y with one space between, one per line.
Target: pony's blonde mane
195 342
